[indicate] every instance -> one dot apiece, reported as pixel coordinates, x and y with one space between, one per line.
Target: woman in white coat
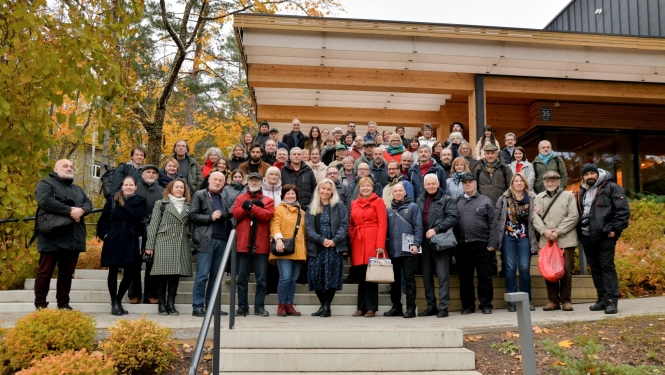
522 166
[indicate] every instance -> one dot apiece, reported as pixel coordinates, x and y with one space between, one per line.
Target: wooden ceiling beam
357 79
342 116
587 91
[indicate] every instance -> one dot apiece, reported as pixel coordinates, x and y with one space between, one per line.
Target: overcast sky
532 14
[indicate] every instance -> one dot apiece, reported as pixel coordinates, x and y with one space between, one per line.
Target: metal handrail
13 220
216 301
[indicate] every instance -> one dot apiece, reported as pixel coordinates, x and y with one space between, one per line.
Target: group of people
305 202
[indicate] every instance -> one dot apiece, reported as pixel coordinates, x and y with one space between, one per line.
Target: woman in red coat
367 227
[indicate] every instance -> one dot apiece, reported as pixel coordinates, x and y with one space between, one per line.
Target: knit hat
457 123
264 122
589 168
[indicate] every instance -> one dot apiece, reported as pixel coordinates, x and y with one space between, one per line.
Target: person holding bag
518 243
287 249
556 221
326 223
121 227
404 240
169 242
368 225
439 217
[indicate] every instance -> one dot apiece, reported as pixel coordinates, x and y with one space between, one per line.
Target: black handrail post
232 293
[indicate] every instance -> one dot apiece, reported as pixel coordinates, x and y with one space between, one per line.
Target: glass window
652 169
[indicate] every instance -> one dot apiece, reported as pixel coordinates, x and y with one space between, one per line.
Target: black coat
609 210
305 180
443 213
506 156
288 139
339 226
120 230
46 192
164 179
235 163
151 193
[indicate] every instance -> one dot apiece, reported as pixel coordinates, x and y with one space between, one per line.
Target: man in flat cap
604 214
555 218
493 178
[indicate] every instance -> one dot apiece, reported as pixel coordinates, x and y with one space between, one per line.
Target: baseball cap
467 177
255 175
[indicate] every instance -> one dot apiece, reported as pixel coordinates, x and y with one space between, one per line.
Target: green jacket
556 164
195 176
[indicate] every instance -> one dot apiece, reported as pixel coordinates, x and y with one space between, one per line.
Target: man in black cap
149 189
455 127
263 135
604 214
274 135
478 235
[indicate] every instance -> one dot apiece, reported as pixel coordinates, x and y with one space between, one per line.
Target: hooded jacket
51 194
272 191
262 138
454 187
606 206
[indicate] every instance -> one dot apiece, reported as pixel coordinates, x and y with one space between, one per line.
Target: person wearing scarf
212 156
547 161
395 149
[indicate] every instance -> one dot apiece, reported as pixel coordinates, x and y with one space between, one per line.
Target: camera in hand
523 216
585 222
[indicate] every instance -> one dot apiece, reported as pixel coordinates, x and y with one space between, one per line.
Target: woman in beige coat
283 226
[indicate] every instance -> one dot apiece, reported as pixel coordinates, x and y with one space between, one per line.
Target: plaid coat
169 236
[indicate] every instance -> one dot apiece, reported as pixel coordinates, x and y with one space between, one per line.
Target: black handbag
289 243
51 224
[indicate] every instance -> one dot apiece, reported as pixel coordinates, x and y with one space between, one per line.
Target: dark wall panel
620 17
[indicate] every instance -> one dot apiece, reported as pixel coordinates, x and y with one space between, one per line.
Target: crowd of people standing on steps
304 202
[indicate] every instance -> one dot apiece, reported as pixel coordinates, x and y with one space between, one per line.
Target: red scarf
425 168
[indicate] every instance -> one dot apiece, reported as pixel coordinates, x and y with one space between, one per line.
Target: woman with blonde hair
453 184
272 185
169 242
289 218
518 243
326 223
368 225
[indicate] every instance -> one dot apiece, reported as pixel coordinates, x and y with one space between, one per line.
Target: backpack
107 180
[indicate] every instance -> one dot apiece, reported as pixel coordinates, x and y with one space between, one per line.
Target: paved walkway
187 326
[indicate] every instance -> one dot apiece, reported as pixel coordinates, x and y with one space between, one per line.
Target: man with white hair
405 164
371 132
547 161
439 215
456 127
57 195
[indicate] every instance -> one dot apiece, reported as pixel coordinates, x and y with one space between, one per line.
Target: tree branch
169 28
199 23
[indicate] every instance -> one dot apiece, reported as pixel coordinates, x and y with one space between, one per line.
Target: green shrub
140 347
71 363
48 332
640 251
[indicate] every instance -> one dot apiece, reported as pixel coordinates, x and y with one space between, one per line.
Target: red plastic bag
550 262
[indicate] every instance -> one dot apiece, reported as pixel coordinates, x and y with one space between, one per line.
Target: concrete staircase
350 348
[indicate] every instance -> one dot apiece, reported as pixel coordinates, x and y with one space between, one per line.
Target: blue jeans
206 270
260 262
289 270
517 255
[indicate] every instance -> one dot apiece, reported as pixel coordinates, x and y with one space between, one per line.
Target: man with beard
604 214
447 160
252 212
58 195
378 167
149 189
271 152
255 164
395 178
559 226
493 179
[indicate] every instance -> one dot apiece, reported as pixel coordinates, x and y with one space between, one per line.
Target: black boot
325 313
161 297
319 294
170 301
598 306
611 306
115 307
124 312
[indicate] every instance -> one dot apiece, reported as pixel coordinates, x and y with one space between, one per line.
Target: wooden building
596 97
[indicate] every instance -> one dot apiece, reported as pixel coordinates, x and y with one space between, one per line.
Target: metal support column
521 299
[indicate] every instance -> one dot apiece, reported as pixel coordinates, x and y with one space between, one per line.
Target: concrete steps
354 349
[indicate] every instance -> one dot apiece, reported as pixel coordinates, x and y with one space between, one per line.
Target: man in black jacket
439 215
506 153
604 214
149 189
295 138
300 174
343 191
212 228
59 195
478 237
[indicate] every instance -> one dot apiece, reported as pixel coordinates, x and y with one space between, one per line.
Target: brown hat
490 147
551 175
